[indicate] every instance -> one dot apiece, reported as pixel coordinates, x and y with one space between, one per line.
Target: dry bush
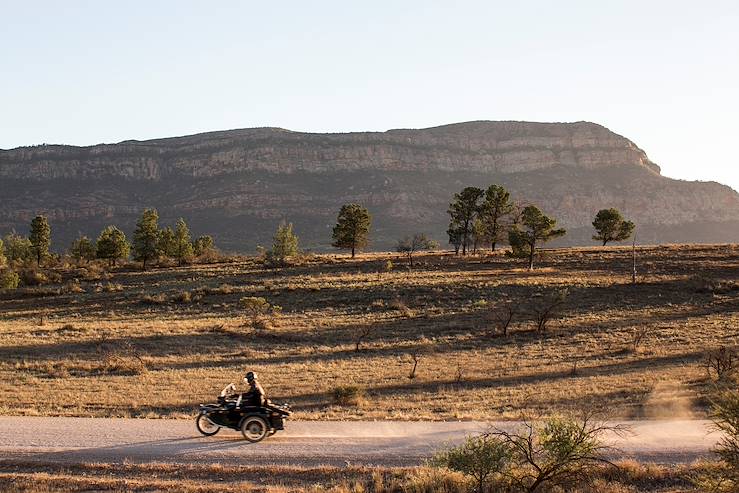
707 284
258 310
399 305
33 277
112 287
183 297
154 299
73 287
547 307
361 334
116 364
501 315
637 337
721 364
348 395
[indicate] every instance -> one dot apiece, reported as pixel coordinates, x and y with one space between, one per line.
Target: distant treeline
479 218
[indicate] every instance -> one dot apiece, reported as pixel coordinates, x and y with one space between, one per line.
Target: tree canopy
535 227
83 249
496 207
463 210
610 225
112 245
352 228
146 237
40 237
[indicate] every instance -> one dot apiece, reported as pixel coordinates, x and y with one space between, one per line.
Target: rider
256 395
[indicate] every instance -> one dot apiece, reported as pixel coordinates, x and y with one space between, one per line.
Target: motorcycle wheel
254 428
206 426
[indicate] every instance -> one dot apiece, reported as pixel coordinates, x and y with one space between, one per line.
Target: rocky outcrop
238 184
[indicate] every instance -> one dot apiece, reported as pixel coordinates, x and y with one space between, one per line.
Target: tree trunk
144 264
531 256
492 246
352 251
604 242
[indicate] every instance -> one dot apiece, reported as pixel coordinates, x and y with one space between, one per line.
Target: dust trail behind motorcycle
304 443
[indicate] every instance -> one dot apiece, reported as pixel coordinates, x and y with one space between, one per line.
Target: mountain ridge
252 178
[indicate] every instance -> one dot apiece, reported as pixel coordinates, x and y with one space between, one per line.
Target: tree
18 248
455 236
412 244
3 260
610 225
538 228
146 237
463 211
495 208
40 237
202 245
166 243
284 244
112 245
183 250
83 249
352 228
558 452
479 234
482 458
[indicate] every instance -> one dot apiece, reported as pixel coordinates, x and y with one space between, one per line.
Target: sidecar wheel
206 426
254 428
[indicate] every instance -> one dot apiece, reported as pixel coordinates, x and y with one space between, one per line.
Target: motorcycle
254 422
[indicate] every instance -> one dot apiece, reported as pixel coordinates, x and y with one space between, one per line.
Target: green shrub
9 280
483 458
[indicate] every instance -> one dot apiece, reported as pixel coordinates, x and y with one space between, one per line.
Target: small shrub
257 309
482 458
722 364
348 395
183 297
399 305
707 284
114 364
112 287
725 417
156 299
547 308
9 280
73 287
33 277
637 337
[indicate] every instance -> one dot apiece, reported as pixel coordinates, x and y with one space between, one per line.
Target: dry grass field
51 478
156 343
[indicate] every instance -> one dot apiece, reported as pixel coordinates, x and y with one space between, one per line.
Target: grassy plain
52 478
157 343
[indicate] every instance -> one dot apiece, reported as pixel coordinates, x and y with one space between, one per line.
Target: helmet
250 376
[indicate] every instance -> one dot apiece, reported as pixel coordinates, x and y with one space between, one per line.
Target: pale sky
663 73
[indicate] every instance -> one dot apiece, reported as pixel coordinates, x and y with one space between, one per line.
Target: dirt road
304 443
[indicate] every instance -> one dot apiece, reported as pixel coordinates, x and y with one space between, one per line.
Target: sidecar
254 422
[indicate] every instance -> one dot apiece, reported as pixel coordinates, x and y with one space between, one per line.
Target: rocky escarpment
238 184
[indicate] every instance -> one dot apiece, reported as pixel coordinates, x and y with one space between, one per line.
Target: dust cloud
669 399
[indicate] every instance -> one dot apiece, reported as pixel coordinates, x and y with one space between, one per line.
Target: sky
665 74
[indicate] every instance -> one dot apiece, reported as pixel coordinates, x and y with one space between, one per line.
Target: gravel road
304 443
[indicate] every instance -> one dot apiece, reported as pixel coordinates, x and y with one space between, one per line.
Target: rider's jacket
255 396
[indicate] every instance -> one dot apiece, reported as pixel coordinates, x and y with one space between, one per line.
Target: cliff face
239 184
